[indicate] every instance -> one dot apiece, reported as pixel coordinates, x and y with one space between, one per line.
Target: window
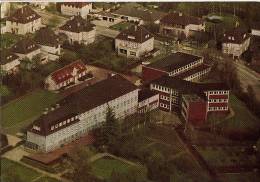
132 53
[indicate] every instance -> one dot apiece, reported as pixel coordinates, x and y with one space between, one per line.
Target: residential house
49 43
185 66
138 14
178 24
9 61
79 30
23 21
235 42
27 48
134 42
76 8
81 112
4 9
66 75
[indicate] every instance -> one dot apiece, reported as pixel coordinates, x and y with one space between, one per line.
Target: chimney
135 27
180 13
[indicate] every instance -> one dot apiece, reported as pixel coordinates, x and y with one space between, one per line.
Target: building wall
194 112
30 55
130 46
73 11
178 30
5 9
217 100
197 76
149 74
236 50
53 52
23 29
148 104
255 32
11 66
82 37
122 106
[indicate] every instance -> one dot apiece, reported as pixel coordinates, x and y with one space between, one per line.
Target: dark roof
76 4
193 71
255 25
7 56
84 100
25 46
188 87
24 15
135 33
180 19
236 35
140 12
46 36
77 24
145 94
174 61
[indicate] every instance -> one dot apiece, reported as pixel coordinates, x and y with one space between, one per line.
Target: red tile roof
65 73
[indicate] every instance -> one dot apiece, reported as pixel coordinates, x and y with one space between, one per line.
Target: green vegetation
54 21
8 39
226 156
47 179
121 26
243 118
12 171
4 91
105 166
24 110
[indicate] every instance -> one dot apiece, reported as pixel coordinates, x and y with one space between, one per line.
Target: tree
80 166
26 64
107 135
111 129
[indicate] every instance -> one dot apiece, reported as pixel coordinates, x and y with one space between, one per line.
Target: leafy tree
80 166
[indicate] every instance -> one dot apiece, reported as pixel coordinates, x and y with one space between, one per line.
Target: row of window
166 106
218 92
217 100
218 108
176 71
164 89
198 74
65 122
165 98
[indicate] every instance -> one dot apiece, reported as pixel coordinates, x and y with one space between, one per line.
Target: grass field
105 166
121 26
25 174
243 118
20 112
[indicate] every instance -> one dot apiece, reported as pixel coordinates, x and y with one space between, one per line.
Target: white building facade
77 8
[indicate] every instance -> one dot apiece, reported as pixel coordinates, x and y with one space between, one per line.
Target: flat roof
174 61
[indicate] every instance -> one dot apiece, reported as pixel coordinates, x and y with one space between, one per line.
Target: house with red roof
66 75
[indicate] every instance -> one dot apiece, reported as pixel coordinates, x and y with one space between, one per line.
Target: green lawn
105 166
8 39
24 110
243 118
46 179
24 173
121 26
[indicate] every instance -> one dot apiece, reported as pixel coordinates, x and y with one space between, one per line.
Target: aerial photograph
136 91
